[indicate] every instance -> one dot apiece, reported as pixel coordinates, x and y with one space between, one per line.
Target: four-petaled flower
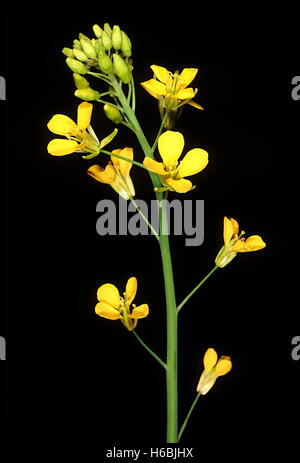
116 173
213 368
170 146
234 243
114 307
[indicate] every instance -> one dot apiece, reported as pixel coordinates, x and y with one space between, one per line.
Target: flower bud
83 37
76 66
121 68
116 38
80 82
88 49
126 45
105 63
76 44
97 31
68 52
99 47
106 41
107 29
112 113
87 94
80 55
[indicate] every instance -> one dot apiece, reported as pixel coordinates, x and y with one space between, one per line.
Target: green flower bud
83 37
107 29
112 113
126 45
99 47
116 38
88 49
79 54
76 44
106 41
121 68
68 52
97 31
87 94
105 63
76 66
80 82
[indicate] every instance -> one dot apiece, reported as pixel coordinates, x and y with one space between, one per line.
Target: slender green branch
149 350
145 219
160 131
109 153
111 104
196 288
188 416
133 95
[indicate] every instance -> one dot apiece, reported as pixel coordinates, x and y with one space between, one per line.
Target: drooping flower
80 137
213 368
116 173
114 307
170 147
172 91
235 242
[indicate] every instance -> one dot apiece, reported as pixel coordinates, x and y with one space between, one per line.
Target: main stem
172 315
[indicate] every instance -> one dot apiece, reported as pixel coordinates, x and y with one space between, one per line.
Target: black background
71 375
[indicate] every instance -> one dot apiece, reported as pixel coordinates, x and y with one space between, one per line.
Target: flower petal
210 359
109 293
193 162
106 311
170 146
181 185
84 114
227 230
131 289
106 175
154 87
223 367
154 166
253 243
162 74
61 124
61 146
195 105
185 94
124 166
140 312
187 75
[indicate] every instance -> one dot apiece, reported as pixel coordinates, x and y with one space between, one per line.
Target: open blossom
114 307
213 368
172 173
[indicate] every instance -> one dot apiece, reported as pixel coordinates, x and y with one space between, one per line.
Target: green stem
124 158
188 416
145 219
160 131
196 288
149 350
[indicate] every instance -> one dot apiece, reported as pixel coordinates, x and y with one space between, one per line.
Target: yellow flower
80 137
116 173
170 147
213 368
234 243
114 307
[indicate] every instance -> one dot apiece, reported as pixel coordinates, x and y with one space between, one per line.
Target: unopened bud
105 63
126 45
88 49
106 41
76 66
97 31
99 47
80 81
87 94
121 68
84 37
112 113
76 44
80 55
116 38
68 52
107 29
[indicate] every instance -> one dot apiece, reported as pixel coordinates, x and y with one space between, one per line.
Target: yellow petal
195 105
106 311
181 185
61 124
170 146
185 93
187 75
109 293
162 74
210 359
140 312
106 175
223 366
154 87
61 146
124 166
154 166
253 243
131 289
227 231
193 162
84 114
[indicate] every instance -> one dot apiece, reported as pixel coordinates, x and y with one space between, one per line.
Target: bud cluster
108 52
